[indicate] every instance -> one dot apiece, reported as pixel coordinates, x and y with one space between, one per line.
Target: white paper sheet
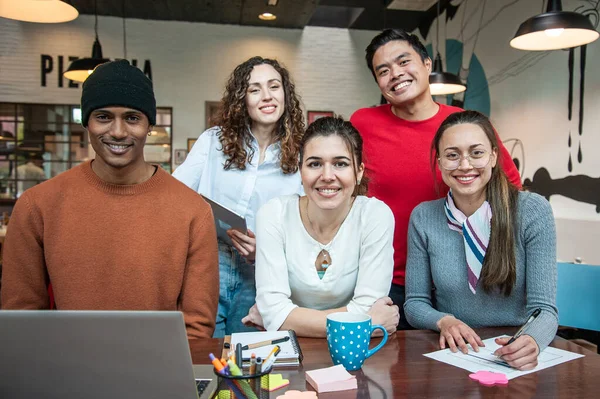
548 358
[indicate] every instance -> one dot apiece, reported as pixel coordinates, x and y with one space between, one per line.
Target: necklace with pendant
323 260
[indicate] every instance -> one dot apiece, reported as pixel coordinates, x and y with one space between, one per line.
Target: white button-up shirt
242 191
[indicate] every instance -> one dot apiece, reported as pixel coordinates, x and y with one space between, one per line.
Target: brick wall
190 62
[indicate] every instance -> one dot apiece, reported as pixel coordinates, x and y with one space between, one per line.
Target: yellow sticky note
224 394
271 382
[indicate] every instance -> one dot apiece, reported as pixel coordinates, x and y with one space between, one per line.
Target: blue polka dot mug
348 338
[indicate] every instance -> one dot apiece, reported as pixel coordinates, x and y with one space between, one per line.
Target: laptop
98 355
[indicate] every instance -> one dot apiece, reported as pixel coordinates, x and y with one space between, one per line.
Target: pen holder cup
243 386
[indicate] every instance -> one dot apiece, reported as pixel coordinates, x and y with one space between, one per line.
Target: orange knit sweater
149 246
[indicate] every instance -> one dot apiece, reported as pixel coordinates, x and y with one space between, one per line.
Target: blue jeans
237 291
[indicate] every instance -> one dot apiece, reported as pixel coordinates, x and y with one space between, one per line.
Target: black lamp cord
96 18
124 34
437 30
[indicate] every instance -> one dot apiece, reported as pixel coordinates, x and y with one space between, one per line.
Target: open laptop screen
94 354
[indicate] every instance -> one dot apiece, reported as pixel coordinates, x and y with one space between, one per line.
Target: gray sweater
436 258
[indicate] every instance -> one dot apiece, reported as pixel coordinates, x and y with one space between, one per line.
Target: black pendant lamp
554 30
80 69
48 11
442 83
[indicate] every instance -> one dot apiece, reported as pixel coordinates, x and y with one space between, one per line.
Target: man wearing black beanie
114 233
118 109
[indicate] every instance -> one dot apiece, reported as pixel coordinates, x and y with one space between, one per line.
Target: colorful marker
235 371
269 361
218 365
253 364
238 355
225 371
276 348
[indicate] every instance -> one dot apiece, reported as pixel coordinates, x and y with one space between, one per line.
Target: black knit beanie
117 83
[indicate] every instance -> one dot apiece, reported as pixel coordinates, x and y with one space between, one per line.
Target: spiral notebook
290 355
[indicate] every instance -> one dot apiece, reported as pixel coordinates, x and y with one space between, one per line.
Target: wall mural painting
589 9
581 105
581 188
428 20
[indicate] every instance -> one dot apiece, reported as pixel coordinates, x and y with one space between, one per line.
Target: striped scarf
475 230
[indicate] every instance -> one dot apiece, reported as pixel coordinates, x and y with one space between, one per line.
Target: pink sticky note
298 395
331 379
488 378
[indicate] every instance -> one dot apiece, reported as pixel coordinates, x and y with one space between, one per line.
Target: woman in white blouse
250 157
328 251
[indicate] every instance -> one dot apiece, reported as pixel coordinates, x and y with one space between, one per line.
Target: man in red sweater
397 138
115 233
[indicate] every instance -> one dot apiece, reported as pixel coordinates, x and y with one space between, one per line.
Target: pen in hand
535 314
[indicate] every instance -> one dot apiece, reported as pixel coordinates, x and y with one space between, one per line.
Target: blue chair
578 297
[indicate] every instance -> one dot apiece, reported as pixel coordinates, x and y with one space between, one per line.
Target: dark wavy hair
390 35
337 126
499 269
233 118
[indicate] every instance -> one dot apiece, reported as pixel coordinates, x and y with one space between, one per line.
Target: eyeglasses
477 158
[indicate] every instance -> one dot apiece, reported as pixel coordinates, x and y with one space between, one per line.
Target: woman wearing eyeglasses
330 250
487 250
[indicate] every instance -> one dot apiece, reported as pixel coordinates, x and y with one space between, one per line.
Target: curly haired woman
250 157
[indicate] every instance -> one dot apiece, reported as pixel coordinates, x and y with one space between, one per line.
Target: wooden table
399 370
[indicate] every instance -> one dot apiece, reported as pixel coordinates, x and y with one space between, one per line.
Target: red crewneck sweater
149 246
396 155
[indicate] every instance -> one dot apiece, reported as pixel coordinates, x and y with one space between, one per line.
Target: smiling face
328 176
265 97
401 74
118 135
457 142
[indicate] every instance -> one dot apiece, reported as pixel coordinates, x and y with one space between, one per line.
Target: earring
358 182
149 134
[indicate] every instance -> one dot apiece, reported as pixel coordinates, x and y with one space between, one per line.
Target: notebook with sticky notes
261 343
331 379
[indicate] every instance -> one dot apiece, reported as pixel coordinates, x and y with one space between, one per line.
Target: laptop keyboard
201 386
